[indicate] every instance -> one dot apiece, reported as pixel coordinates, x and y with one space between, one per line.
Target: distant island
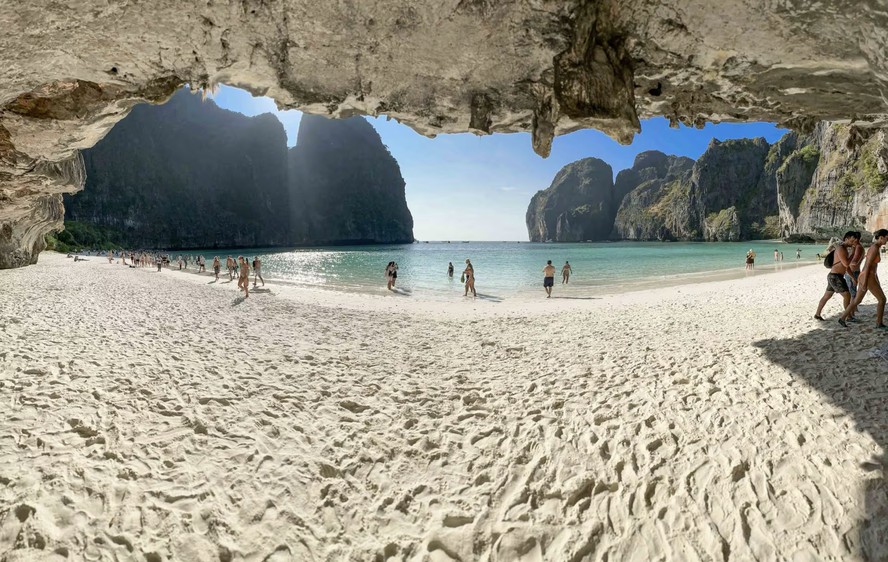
188 174
803 188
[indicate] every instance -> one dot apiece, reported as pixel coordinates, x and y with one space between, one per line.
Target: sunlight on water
504 268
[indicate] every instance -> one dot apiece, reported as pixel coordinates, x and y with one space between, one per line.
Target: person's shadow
849 368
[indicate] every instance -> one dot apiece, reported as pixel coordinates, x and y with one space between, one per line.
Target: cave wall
70 70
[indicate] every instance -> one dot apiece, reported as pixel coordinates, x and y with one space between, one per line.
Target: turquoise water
506 268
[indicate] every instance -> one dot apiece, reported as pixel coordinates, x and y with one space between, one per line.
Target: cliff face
579 205
655 205
835 180
345 186
725 195
188 174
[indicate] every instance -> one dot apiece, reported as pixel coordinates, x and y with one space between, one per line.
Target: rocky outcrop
655 203
725 195
188 174
579 205
70 70
345 185
835 180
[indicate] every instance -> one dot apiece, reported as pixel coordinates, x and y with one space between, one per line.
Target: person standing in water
566 270
450 269
257 271
548 278
469 273
388 275
869 281
750 259
798 253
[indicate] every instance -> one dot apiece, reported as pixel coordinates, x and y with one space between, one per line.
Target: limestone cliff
70 70
188 174
579 205
345 186
835 179
655 205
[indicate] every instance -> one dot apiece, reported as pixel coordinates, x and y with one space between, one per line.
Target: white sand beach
158 416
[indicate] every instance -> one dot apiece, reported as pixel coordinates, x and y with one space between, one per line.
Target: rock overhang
71 70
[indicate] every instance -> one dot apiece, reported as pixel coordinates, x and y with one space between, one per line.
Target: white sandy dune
153 416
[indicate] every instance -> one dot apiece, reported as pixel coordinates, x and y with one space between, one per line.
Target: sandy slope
156 416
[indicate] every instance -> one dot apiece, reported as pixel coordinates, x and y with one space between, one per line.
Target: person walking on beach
548 278
566 270
869 281
202 264
855 256
110 256
216 266
835 279
469 275
243 276
750 259
257 271
229 263
450 269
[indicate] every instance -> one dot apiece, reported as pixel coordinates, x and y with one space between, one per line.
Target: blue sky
468 187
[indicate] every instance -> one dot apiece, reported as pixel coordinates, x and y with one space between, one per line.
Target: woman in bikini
469 272
869 281
244 276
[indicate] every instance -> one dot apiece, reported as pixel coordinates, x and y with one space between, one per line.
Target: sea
505 269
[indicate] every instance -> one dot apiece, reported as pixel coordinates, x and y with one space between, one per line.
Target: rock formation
579 205
805 186
345 185
187 174
834 180
70 70
655 205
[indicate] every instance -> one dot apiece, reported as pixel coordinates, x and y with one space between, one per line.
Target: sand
158 416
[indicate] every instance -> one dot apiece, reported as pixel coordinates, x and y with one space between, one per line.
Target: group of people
239 267
778 256
853 273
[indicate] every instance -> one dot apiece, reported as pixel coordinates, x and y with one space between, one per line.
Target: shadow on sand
578 298
261 290
843 365
491 298
238 300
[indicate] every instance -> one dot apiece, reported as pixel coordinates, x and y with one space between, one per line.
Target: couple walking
848 279
549 276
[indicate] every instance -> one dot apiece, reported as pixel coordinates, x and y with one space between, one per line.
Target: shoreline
519 294
159 417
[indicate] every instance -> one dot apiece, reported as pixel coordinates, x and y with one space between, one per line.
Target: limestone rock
345 186
70 70
579 205
836 180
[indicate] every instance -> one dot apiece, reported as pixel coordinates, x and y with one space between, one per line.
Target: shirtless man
835 279
869 281
257 271
216 266
548 278
566 270
469 272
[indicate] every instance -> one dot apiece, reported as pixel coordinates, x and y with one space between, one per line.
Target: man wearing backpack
869 281
838 262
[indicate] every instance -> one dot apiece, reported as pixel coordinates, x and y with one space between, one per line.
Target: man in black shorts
548 278
835 279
